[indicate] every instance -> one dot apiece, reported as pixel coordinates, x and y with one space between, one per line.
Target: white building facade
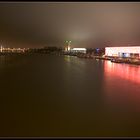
78 50
125 52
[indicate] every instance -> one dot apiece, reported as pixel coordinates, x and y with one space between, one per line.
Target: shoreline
113 59
85 56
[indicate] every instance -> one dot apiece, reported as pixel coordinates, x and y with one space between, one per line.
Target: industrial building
123 52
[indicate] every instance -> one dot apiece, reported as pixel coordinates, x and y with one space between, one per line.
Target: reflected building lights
126 79
128 72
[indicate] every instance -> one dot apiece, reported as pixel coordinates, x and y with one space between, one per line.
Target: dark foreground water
44 95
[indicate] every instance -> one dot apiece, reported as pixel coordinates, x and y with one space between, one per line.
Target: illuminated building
67 48
125 52
76 50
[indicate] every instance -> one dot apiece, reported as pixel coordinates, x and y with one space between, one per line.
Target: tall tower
68 45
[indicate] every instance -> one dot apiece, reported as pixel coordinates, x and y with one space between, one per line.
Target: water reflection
48 95
121 86
124 71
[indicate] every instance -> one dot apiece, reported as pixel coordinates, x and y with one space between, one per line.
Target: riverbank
112 59
87 56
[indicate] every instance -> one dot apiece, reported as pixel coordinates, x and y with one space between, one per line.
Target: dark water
42 95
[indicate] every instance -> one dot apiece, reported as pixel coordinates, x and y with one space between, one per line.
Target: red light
121 84
128 72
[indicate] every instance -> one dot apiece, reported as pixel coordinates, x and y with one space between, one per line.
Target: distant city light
12 50
68 48
80 49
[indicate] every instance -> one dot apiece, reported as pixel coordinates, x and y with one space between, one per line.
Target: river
65 96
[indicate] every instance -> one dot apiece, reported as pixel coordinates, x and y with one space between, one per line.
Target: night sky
85 24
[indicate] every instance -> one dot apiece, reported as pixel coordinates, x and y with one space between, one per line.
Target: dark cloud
85 24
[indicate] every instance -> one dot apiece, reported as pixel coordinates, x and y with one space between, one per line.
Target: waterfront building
123 52
78 50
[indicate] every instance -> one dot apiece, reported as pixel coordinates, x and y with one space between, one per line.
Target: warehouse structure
123 52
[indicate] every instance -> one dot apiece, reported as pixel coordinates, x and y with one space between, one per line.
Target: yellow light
68 48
